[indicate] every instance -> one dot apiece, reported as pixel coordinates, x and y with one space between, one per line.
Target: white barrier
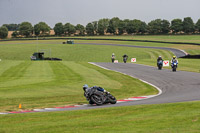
133 59
166 63
115 61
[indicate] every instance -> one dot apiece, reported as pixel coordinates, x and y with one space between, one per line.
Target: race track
177 52
177 86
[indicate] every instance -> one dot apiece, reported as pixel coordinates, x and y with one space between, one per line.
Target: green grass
22 50
77 52
191 49
162 118
164 38
39 84
33 83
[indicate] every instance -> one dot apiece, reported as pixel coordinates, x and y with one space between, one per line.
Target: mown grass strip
162 118
62 85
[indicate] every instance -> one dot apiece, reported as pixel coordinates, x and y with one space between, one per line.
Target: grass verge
162 118
40 84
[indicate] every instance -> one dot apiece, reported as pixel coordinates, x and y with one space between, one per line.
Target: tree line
114 26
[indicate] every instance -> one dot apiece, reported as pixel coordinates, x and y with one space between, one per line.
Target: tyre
174 69
97 99
112 99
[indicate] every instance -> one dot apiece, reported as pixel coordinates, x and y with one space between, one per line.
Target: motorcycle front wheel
97 99
112 99
174 69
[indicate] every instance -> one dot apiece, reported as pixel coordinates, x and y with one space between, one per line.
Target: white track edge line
150 96
132 99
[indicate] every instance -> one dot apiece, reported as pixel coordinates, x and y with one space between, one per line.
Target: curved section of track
177 86
177 52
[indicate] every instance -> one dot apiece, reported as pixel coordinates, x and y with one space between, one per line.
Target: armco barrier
191 56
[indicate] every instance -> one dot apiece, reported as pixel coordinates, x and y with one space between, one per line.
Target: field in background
22 50
164 38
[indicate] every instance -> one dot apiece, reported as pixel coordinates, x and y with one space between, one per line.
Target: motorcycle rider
98 95
125 57
113 57
159 58
86 88
174 59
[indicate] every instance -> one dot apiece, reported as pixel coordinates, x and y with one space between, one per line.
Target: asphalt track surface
177 52
177 86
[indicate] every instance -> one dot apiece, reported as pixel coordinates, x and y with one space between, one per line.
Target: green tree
188 25
95 25
113 25
155 26
103 26
3 32
143 28
12 27
15 34
59 29
25 29
197 26
135 26
176 25
130 27
41 28
81 29
90 29
121 28
165 26
36 29
69 29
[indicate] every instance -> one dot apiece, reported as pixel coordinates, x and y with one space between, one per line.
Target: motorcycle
113 59
125 59
99 98
160 64
174 66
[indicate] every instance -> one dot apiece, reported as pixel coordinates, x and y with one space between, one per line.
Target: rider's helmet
159 57
85 86
174 57
113 54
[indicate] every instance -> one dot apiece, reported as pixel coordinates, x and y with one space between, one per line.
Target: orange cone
20 106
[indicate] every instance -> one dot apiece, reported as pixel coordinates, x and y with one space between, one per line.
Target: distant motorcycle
160 64
99 98
174 66
124 59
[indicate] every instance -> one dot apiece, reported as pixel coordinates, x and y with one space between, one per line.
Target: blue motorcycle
174 65
160 64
